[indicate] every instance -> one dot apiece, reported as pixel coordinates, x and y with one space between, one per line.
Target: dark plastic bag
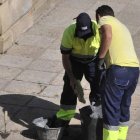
92 128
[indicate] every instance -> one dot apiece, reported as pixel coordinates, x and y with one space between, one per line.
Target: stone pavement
31 71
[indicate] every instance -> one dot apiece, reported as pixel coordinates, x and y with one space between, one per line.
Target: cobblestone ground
31 71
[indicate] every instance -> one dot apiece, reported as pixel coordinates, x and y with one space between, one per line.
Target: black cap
83 25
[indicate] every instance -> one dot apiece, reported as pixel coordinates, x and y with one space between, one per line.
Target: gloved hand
73 82
78 90
100 64
100 67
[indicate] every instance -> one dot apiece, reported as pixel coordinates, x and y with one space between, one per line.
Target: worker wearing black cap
79 47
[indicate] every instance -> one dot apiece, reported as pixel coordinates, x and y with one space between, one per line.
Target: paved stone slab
135 113
36 76
22 87
49 32
132 24
137 91
9 73
19 50
43 6
35 40
51 54
135 100
46 65
135 129
14 61
136 39
134 2
58 80
3 83
137 117
56 44
133 30
74 8
52 91
133 137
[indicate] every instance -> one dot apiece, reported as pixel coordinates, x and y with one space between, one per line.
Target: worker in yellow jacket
79 48
122 73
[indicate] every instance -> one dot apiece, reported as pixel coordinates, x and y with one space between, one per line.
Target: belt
83 60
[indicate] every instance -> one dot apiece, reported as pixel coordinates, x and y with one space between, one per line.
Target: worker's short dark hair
105 10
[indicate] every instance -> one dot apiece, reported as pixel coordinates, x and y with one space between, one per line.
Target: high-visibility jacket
78 47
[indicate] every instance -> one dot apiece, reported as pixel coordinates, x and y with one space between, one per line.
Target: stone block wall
16 16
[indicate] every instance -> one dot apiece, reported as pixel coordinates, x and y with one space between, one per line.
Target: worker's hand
100 68
73 82
100 64
78 90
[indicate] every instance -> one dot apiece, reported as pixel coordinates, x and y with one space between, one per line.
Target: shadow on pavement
23 109
74 133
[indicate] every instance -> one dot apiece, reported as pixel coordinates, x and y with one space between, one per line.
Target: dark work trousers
117 89
79 69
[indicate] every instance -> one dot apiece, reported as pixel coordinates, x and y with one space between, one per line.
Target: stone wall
16 16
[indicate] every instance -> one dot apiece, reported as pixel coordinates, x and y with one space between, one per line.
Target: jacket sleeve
66 42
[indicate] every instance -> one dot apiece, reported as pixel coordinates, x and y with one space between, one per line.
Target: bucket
49 134
44 132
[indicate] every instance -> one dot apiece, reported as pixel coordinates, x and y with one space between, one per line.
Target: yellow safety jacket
78 47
